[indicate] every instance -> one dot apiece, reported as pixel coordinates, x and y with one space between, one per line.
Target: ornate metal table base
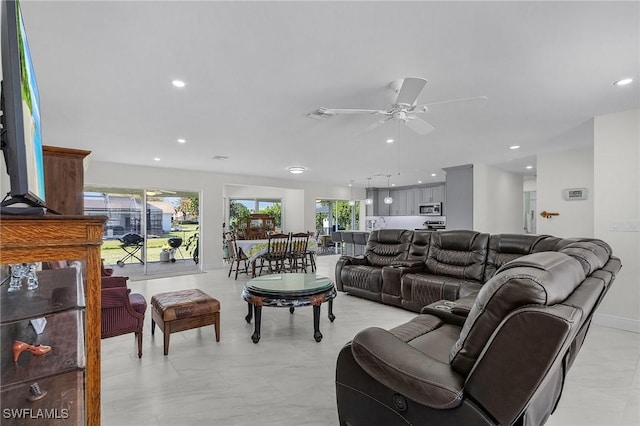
307 290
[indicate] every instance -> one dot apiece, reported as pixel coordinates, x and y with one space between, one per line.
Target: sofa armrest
344 261
418 265
406 370
463 305
392 277
114 281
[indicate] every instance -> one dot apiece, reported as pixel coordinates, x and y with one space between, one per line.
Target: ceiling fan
404 109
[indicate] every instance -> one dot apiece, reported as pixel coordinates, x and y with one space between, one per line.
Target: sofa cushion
386 246
591 254
544 278
504 248
419 247
459 254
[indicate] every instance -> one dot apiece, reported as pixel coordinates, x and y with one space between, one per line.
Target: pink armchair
122 312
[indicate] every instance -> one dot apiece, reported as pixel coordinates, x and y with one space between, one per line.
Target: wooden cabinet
257 227
68 299
64 179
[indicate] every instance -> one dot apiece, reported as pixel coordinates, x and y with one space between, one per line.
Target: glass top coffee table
288 291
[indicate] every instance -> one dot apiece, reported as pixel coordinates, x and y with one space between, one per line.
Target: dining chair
297 255
236 256
277 249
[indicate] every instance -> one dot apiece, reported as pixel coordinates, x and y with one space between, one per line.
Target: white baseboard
613 321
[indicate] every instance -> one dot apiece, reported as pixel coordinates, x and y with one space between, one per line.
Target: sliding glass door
149 231
332 215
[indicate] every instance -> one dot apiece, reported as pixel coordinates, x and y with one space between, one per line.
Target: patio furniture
131 243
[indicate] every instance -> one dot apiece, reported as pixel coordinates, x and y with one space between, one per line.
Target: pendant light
388 199
368 201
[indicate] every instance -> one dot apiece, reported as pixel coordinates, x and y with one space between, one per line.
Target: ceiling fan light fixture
623 82
296 170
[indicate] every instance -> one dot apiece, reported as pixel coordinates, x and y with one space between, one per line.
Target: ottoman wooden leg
166 333
216 324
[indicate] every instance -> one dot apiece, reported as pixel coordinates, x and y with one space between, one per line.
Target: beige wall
617 199
497 201
558 171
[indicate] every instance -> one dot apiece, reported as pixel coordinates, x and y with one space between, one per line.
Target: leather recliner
504 365
362 275
454 268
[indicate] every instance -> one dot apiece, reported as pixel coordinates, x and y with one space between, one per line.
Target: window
240 209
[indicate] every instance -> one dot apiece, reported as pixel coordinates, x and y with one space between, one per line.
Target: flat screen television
21 137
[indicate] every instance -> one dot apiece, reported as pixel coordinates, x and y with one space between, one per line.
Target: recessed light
178 83
389 140
393 184
433 175
419 181
181 140
296 170
623 82
220 157
529 167
156 159
514 147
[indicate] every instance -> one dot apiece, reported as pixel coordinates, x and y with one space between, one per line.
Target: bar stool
336 238
347 240
360 241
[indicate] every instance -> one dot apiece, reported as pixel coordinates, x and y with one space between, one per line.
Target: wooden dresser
68 298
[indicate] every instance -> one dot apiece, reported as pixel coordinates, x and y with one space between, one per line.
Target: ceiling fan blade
424 106
335 111
378 124
410 90
418 125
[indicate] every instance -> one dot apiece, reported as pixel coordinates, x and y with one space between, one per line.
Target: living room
247 98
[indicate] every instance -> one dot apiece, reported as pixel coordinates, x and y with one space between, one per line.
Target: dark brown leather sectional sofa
502 319
412 269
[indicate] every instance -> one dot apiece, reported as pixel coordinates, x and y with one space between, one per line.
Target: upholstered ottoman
183 310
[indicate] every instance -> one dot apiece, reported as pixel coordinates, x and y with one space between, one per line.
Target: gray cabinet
406 201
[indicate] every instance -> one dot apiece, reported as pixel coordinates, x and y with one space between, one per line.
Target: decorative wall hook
548 215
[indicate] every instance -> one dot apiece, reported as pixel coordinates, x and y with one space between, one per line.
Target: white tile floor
288 378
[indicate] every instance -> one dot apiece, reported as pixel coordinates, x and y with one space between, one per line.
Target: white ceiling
254 70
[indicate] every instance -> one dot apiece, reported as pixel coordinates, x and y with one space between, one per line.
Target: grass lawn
112 252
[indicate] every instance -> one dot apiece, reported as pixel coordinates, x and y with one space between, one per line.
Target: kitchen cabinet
62 312
406 201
